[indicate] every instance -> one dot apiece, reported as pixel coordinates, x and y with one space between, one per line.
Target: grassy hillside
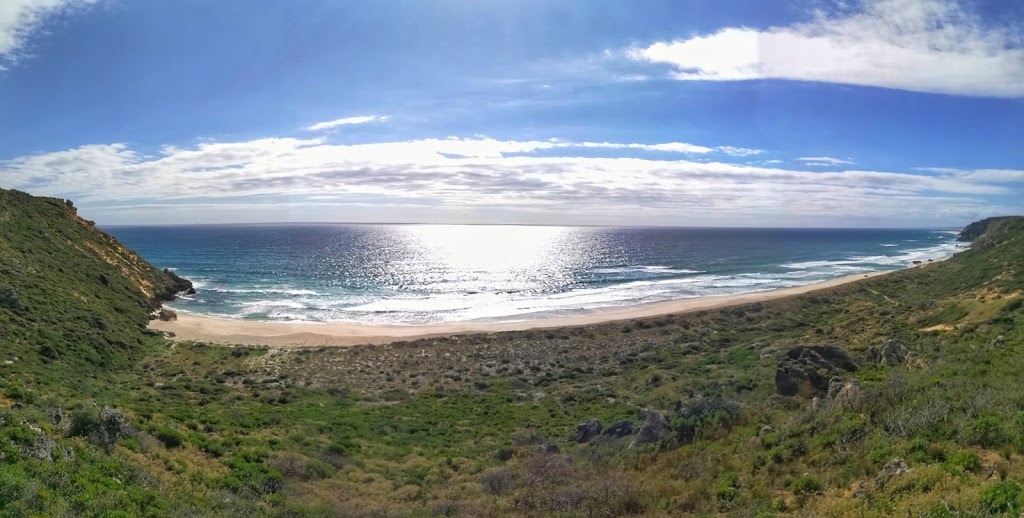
119 423
72 299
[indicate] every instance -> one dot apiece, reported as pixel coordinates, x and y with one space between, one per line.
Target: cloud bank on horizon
589 162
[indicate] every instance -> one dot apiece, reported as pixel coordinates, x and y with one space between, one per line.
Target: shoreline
202 328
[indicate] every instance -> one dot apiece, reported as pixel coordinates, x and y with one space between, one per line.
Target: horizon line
357 223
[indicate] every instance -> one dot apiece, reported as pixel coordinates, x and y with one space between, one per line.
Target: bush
727 487
169 436
985 430
498 481
703 414
804 484
963 460
1002 497
84 422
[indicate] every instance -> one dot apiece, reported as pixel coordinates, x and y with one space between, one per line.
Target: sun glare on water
500 257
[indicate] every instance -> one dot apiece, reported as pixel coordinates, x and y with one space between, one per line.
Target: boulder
807 370
845 392
167 315
587 431
654 429
891 353
1000 341
112 427
190 291
892 469
765 430
549 449
9 298
619 430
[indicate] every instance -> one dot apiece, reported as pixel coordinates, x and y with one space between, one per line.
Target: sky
806 113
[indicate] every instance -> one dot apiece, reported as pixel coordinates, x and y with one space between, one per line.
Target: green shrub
727 487
703 414
963 461
986 430
804 484
84 422
169 436
1002 497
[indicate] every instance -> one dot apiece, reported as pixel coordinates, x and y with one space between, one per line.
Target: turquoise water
416 274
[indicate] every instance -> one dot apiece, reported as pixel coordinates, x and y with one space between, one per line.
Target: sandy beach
203 328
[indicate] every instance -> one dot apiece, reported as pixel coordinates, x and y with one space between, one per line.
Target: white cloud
739 151
19 19
348 121
481 174
937 46
982 175
825 161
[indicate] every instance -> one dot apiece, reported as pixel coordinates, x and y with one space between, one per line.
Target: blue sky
675 112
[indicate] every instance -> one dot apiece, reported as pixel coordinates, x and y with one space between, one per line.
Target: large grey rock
846 393
654 429
891 353
587 431
167 315
807 370
112 428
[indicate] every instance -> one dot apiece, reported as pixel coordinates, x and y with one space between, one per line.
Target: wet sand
190 326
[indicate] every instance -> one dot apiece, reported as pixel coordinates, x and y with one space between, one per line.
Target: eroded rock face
807 370
891 353
654 429
587 431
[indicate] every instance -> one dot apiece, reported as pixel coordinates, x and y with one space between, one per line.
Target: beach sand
203 328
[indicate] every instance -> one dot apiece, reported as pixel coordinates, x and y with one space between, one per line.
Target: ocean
425 274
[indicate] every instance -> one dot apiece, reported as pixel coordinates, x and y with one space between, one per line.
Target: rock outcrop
9 298
978 228
587 431
847 393
619 430
112 428
807 370
891 353
167 315
892 469
654 429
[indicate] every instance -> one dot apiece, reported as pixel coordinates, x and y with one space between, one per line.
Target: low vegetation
99 418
